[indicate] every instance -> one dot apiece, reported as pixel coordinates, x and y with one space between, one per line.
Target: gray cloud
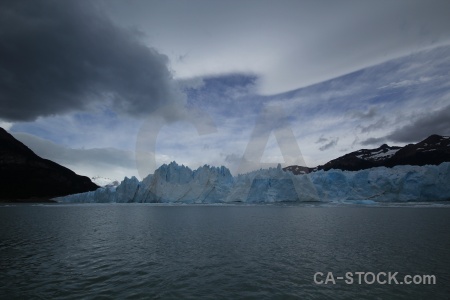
437 122
373 141
329 145
232 158
380 123
290 45
59 56
369 114
191 83
321 140
107 162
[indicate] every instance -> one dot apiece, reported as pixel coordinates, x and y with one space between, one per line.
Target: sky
116 88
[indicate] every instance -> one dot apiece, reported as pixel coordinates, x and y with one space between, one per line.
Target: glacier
172 183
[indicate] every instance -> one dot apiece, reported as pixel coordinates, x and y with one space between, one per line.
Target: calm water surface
219 252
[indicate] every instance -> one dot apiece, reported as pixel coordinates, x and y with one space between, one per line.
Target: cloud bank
423 126
289 44
60 56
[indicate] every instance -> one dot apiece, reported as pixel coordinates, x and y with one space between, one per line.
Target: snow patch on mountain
382 153
103 181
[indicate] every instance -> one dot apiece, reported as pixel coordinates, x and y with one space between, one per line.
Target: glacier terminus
172 183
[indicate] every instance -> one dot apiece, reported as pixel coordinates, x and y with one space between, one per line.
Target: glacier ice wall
400 183
174 183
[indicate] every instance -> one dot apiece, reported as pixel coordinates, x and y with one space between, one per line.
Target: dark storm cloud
437 122
59 56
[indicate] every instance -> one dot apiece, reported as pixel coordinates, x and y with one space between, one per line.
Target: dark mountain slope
432 151
24 175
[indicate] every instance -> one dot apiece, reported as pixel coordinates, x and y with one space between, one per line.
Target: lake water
139 251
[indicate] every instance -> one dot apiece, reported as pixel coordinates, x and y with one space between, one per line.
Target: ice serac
173 183
126 191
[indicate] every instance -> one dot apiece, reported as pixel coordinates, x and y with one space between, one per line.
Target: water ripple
219 252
